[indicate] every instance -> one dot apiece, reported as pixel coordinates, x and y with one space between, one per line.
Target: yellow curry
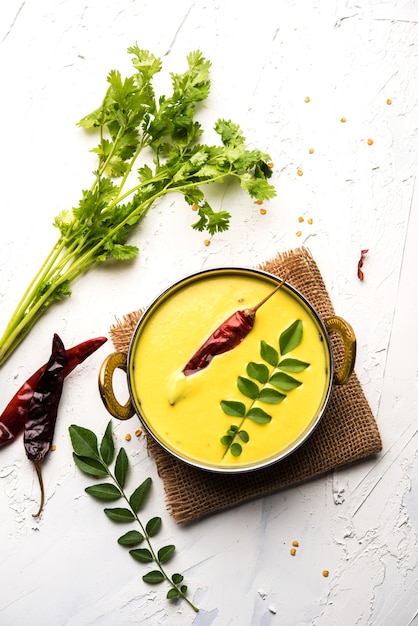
196 426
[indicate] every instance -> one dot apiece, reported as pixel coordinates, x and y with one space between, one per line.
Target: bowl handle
116 360
339 325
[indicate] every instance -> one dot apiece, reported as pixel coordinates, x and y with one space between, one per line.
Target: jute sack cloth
346 433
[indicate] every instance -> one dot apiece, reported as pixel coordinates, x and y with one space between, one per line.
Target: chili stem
38 465
257 306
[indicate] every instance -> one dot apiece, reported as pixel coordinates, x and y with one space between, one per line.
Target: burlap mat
346 433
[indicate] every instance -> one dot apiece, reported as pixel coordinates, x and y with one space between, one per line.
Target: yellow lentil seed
258 202
292 551
298 233
270 164
307 99
295 543
388 101
207 242
300 172
311 150
301 219
310 221
138 432
370 142
127 437
263 211
195 207
343 120
53 447
325 573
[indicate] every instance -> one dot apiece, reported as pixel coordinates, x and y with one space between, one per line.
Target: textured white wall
361 523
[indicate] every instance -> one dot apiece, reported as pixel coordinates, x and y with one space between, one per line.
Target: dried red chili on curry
226 337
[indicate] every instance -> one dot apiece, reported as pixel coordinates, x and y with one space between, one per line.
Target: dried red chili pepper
12 420
43 410
227 336
360 273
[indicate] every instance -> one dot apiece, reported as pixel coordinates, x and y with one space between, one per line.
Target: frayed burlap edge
346 433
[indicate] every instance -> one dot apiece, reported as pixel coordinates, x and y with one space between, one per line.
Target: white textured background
361 522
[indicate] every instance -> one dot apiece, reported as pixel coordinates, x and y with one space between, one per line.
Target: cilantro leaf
159 140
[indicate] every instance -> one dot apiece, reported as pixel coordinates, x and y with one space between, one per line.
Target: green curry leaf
248 387
120 514
107 446
105 491
235 449
284 381
258 415
142 554
258 371
271 396
269 354
291 337
84 442
154 578
121 467
131 538
293 365
89 466
140 494
233 408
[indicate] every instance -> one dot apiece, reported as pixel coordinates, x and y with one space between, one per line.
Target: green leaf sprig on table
148 147
266 383
96 460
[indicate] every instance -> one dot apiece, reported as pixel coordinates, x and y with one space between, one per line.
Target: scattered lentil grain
127 437
53 447
293 551
300 172
370 142
310 221
258 202
389 101
343 120
325 573
307 99
298 233
270 164
311 150
138 432
194 207
263 211
301 219
295 543
207 242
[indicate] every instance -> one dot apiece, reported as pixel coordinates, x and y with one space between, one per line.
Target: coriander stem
63 265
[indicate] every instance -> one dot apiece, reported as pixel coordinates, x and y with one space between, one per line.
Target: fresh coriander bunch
102 462
148 147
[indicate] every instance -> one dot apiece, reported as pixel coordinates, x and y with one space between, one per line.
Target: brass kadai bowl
247 407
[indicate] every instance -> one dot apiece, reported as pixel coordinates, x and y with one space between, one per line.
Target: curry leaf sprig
96 460
148 147
266 383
